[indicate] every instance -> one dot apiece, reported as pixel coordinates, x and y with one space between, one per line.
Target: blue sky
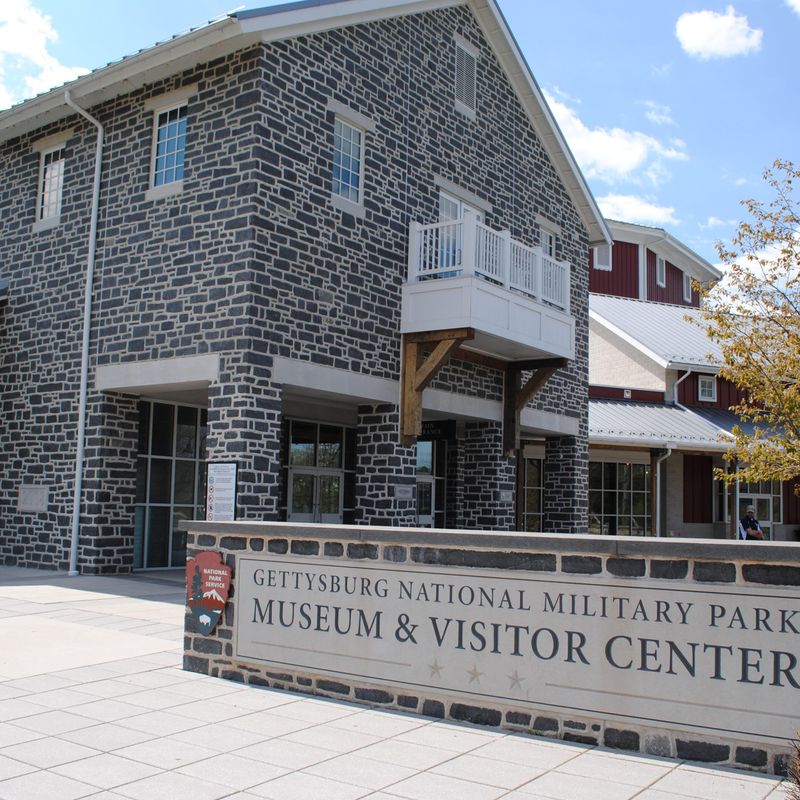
673 108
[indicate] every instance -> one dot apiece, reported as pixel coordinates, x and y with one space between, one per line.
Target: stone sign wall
675 648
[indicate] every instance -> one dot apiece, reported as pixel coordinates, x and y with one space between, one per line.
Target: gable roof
665 244
660 331
243 29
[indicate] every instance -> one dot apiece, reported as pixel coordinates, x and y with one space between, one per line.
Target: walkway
93 704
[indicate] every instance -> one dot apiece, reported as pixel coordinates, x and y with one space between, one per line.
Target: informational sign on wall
221 492
717 660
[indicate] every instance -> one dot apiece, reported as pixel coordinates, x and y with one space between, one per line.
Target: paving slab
94 704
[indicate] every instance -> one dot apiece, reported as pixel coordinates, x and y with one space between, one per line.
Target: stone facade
251 260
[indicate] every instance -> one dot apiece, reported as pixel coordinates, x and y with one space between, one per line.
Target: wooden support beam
418 372
516 396
423 337
511 385
434 362
533 385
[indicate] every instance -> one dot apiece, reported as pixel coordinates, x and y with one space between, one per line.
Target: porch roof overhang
654 425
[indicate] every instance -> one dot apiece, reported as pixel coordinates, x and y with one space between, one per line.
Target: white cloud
661 70
630 208
658 114
26 66
740 182
794 5
707 34
615 154
716 222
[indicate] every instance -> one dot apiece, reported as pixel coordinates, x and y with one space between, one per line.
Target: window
532 494
170 481
601 257
51 183
707 388
170 146
661 271
547 240
466 70
619 498
687 287
347 161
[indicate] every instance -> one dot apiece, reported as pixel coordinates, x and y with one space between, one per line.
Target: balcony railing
466 247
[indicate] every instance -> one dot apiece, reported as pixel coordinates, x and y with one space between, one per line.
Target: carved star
474 675
516 681
435 668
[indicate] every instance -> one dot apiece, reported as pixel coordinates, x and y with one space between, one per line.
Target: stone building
342 245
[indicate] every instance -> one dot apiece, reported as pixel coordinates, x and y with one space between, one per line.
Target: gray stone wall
707 567
251 259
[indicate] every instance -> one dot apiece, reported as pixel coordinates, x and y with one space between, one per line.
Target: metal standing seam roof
659 330
654 425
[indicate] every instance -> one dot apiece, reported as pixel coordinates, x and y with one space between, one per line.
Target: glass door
314 496
170 481
431 472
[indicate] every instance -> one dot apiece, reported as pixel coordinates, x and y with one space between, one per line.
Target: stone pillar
244 425
109 489
487 474
383 465
566 485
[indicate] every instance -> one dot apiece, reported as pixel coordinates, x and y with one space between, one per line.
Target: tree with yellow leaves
753 314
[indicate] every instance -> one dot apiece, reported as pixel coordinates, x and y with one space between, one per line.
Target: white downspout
675 389
664 457
87 324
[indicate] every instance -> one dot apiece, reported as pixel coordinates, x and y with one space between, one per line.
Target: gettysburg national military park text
601 645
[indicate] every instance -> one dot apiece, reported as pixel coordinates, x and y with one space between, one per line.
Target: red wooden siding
791 503
727 394
697 488
623 279
618 393
673 291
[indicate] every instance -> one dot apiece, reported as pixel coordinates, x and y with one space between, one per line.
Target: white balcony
463 274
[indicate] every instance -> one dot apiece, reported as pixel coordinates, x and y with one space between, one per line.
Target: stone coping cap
630 546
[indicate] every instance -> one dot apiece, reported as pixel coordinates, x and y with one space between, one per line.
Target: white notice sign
221 492
716 659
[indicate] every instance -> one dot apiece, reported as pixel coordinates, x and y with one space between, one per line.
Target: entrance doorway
170 481
431 484
320 472
766 498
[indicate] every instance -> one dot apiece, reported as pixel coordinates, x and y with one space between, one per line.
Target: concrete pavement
93 704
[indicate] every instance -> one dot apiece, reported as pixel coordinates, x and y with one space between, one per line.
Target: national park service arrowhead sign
207 583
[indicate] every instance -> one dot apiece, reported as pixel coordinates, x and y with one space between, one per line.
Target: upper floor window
707 388
348 160
169 151
51 183
602 257
547 240
687 287
661 271
466 76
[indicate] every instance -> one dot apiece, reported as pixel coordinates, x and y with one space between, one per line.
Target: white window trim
596 263
462 195
661 267
345 203
173 187
687 284
700 380
473 52
168 100
546 231
54 144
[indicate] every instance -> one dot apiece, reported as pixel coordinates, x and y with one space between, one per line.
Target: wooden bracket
516 396
418 371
